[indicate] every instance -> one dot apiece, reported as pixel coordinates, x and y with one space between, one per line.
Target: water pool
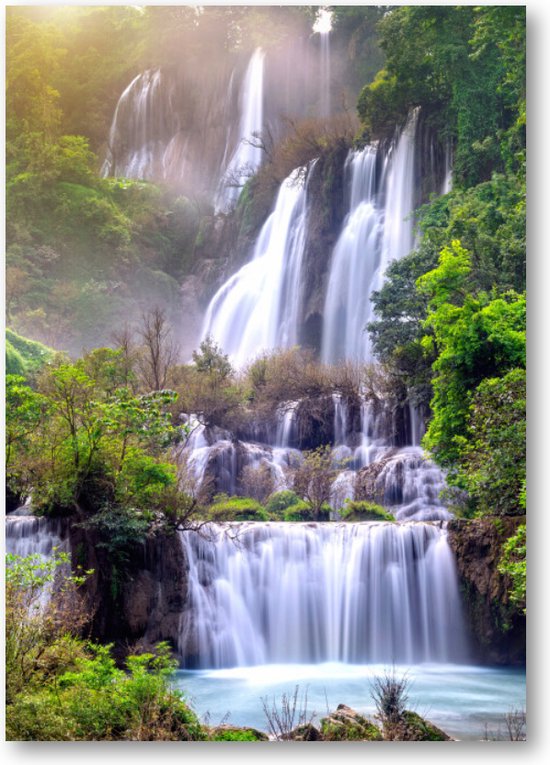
468 702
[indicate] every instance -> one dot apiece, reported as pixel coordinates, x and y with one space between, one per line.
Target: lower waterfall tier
358 593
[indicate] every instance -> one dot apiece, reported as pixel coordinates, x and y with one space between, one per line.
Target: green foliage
466 67
120 530
302 512
236 734
227 508
475 338
513 563
95 701
84 440
281 501
364 511
492 465
39 630
25 357
210 389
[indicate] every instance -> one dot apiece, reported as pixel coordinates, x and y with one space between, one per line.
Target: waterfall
259 307
359 593
29 535
247 156
373 234
142 117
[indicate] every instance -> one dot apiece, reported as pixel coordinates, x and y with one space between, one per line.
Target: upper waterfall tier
247 155
360 593
199 129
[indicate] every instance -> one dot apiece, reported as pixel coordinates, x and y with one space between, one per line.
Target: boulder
234 733
413 727
307 732
346 724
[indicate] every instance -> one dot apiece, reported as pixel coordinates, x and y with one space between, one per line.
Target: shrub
236 509
95 701
364 511
281 501
302 511
390 696
513 563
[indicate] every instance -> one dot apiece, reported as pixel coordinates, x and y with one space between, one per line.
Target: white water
28 535
359 593
374 233
140 118
258 308
247 155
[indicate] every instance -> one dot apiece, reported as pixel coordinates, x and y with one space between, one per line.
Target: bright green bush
281 501
364 511
513 563
302 511
98 702
227 508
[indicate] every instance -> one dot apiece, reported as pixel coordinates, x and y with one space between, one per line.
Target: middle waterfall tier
262 307
308 593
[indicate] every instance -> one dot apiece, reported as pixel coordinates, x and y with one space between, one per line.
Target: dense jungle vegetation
96 432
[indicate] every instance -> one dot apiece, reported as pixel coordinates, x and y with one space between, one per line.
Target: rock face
144 603
497 628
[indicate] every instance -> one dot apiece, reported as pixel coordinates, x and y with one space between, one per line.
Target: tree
313 478
473 338
159 350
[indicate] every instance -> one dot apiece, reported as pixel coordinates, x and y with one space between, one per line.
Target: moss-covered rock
345 724
307 732
413 727
233 733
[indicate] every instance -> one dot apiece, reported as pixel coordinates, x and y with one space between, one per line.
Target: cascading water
142 119
258 308
360 593
373 235
247 156
28 535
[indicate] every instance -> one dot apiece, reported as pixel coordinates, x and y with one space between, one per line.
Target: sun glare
323 22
